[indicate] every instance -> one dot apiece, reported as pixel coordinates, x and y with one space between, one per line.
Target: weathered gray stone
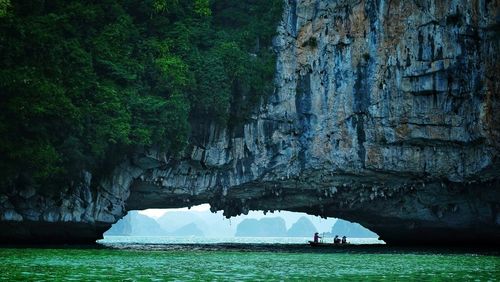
28 192
10 215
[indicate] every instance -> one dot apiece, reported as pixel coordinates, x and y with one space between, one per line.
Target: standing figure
316 237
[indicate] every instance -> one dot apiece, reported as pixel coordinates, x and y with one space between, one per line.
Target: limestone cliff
385 113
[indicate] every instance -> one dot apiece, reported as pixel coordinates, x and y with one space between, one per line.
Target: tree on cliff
83 84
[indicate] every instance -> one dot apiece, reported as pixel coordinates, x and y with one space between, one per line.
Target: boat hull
321 244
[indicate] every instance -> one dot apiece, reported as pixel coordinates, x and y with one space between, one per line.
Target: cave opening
198 224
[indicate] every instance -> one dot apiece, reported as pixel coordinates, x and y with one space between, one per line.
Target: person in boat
336 240
316 237
344 240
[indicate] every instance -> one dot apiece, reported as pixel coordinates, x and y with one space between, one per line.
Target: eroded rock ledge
385 113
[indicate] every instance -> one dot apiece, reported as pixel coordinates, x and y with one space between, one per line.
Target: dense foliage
84 82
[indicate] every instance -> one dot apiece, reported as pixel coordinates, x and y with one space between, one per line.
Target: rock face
386 113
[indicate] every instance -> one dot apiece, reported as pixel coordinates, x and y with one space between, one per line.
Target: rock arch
389 119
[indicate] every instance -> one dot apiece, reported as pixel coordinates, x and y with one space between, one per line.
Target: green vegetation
4 5
83 83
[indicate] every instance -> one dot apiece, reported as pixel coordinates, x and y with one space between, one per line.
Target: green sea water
245 263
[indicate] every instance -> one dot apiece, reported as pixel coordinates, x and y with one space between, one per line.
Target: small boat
323 244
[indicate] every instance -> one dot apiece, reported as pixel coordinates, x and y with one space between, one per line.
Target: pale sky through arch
323 225
156 213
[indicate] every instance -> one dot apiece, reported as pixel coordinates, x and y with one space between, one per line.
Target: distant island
351 230
136 224
264 227
190 229
207 224
302 228
275 227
